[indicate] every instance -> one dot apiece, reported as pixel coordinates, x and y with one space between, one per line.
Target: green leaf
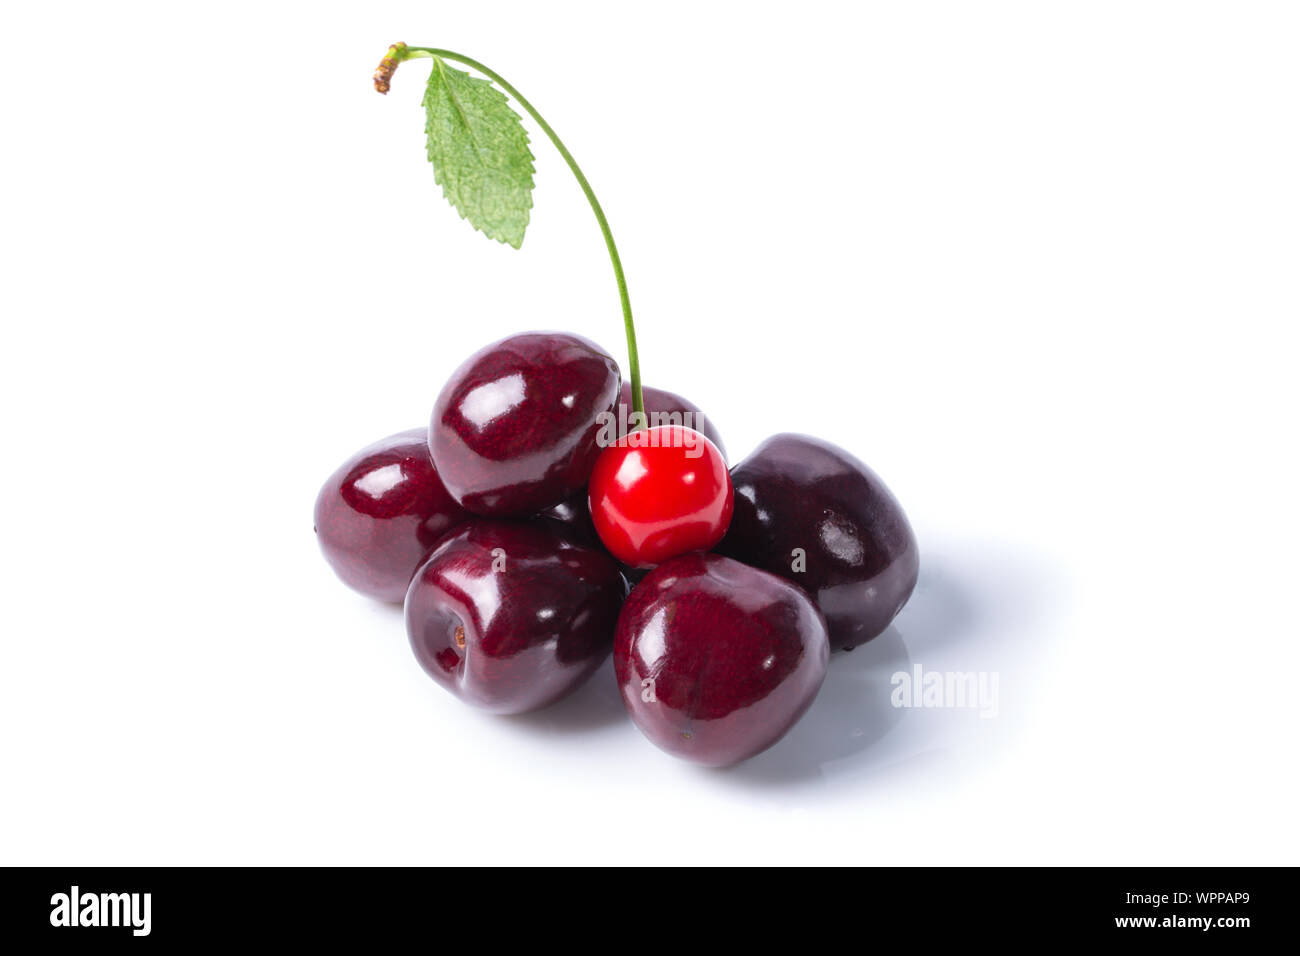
479 150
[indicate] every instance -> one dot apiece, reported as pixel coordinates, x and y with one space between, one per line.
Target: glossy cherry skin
657 401
575 518
574 512
514 429
379 514
860 557
659 493
717 660
510 616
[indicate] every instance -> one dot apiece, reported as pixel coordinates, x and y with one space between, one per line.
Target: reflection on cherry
514 430
716 660
658 493
379 514
811 512
512 615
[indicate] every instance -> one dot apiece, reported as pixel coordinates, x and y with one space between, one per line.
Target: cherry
658 493
575 519
511 616
379 514
574 513
811 512
717 660
514 429
657 401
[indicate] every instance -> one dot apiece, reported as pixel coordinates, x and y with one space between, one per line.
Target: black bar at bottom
210 905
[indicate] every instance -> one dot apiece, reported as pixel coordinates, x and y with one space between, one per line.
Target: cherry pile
513 525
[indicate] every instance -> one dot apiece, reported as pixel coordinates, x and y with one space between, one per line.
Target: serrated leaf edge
440 66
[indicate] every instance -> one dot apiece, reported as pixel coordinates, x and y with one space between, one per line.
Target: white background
1036 263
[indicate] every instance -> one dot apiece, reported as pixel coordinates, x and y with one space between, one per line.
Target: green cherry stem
400 51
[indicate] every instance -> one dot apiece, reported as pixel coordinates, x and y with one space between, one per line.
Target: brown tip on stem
388 66
460 637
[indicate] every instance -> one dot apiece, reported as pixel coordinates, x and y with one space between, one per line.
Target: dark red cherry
814 514
717 660
511 616
679 412
575 517
514 429
379 514
659 493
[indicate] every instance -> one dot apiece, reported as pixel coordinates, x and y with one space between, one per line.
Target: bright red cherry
659 493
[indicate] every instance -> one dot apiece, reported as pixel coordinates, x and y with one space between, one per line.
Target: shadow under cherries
853 712
593 706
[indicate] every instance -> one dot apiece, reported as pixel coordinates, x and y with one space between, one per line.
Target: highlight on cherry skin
513 615
381 511
813 513
514 429
572 515
661 407
658 493
717 660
